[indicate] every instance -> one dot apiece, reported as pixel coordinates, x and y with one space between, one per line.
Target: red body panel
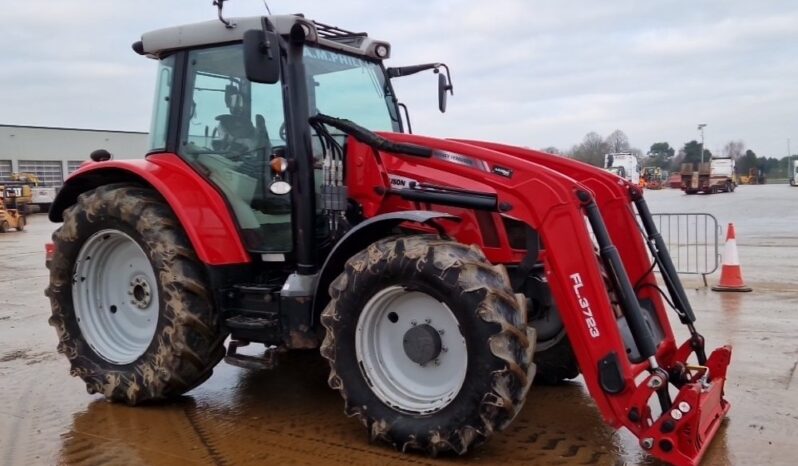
541 191
202 211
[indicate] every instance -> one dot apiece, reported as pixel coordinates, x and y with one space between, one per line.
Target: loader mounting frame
557 198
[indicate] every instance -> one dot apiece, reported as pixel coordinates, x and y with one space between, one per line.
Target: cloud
534 73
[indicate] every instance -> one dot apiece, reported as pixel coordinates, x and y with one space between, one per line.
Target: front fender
202 211
357 239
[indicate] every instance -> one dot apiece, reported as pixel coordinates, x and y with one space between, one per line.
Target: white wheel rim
398 381
115 296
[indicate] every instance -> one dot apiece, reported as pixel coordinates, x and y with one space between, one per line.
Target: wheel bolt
441 331
427 321
413 323
444 349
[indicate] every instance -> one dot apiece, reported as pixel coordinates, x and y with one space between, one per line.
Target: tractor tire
554 359
410 384
556 362
4 226
130 299
20 223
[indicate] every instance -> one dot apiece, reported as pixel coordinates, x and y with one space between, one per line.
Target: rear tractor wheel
21 223
427 344
130 301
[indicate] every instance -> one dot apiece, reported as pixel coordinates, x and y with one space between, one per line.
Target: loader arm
568 205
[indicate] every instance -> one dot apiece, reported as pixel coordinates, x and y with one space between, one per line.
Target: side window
230 128
163 92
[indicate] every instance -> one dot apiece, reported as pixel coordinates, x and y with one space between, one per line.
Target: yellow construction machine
12 211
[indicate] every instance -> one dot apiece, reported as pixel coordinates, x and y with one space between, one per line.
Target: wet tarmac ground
290 416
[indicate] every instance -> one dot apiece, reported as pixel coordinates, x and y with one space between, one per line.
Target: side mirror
262 56
443 88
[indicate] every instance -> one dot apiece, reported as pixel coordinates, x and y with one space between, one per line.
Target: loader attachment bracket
682 434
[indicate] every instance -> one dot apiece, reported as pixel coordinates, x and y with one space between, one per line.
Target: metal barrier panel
692 240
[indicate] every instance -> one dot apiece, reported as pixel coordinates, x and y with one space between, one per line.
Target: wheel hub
115 296
411 350
422 344
139 291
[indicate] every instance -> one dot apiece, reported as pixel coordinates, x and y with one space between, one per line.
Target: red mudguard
202 211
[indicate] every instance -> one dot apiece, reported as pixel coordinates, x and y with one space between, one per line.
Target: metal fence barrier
692 240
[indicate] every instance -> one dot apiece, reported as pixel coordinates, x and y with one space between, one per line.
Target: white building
54 153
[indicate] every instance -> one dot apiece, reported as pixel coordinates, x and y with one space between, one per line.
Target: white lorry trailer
712 177
624 164
794 173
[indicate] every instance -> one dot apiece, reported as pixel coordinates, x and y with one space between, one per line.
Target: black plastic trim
610 376
474 201
176 100
356 239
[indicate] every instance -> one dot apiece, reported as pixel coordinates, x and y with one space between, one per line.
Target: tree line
593 147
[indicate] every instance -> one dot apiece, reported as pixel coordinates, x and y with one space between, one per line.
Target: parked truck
624 164
794 174
711 177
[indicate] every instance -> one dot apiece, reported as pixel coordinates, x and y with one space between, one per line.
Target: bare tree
591 149
617 141
552 150
734 149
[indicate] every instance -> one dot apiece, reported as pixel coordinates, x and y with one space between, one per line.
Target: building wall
53 153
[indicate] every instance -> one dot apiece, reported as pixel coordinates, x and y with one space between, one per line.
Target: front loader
284 203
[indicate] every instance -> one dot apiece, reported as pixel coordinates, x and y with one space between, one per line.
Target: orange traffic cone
731 275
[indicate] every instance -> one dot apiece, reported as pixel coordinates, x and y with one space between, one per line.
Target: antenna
220 5
268 10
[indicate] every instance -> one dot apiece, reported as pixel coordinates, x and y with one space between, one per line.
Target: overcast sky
531 73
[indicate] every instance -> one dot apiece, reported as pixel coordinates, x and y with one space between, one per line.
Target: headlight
381 50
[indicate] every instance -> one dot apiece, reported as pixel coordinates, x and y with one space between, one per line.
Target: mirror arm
407 117
450 86
408 70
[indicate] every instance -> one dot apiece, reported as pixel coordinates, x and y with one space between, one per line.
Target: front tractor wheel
129 298
427 344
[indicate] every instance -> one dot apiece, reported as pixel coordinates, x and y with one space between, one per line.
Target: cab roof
160 42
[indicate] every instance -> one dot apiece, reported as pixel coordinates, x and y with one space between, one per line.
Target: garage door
73 165
5 170
50 172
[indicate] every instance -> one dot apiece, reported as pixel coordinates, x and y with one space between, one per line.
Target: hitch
682 433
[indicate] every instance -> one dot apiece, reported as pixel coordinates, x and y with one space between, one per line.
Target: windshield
346 86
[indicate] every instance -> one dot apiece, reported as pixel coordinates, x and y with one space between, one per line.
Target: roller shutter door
5 170
73 165
50 172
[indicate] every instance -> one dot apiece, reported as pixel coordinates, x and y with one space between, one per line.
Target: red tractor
284 203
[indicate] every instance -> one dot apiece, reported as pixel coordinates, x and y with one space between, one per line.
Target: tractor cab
251 137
